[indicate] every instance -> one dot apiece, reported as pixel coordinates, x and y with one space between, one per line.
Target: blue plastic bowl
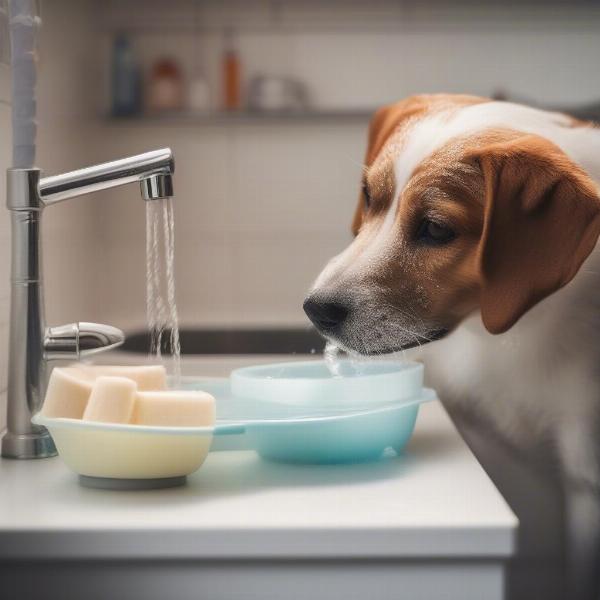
309 435
348 438
312 384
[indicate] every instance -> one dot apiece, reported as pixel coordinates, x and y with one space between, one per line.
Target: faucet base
31 445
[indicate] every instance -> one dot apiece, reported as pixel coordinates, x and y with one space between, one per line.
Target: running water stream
332 359
161 310
340 365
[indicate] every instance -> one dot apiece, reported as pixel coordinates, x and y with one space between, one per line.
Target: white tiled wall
67 83
258 212
364 52
260 208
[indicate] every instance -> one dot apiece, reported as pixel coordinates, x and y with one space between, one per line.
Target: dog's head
462 208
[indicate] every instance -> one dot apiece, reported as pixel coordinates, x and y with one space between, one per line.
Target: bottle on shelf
126 79
165 89
232 96
198 93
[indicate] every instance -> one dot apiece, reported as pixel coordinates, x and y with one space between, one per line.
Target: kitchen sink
236 341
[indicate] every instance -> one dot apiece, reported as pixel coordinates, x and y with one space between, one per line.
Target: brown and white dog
477 223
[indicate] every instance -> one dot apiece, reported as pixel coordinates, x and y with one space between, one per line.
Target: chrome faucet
32 345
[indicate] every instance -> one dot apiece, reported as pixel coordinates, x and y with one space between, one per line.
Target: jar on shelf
165 87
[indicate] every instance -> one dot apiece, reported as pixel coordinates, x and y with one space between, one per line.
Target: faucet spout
96 337
80 340
142 167
157 186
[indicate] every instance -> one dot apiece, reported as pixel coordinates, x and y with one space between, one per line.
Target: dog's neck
541 373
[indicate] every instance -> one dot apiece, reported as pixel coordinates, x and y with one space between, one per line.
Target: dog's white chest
526 382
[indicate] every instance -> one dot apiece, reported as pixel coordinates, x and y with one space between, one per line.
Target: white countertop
433 501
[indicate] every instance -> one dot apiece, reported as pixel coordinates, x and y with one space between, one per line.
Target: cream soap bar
112 400
174 408
67 394
147 377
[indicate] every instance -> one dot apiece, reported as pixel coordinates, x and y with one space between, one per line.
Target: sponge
67 394
147 377
111 401
174 408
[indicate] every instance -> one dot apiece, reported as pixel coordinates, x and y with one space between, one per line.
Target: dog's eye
366 195
434 233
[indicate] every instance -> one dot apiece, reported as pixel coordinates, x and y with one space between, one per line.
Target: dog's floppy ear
542 219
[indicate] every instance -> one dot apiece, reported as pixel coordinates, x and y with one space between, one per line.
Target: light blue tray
297 434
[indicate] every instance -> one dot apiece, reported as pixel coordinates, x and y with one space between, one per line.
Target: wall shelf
245 117
207 17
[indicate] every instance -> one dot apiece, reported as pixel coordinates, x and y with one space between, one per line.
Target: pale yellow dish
117 451
107 424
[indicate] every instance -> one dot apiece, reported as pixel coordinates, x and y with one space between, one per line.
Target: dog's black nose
327 316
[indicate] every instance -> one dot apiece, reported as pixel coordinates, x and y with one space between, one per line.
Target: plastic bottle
126 80
198 93
232 98
166 89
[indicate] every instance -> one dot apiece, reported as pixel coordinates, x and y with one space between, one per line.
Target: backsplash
261 205
258 211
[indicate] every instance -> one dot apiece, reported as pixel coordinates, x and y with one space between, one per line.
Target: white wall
258 211
260 208
67 82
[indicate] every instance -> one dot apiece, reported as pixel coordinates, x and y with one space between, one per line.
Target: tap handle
80 340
